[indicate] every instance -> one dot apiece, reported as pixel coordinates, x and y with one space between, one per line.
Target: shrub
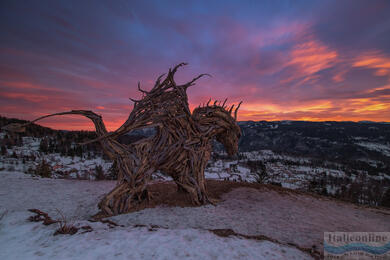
99 173
259 170
43 169
3 150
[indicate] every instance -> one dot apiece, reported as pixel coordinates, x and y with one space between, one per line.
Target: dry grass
65 226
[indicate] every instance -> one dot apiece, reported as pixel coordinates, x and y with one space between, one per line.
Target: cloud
314 60
374 60
28 97
312 57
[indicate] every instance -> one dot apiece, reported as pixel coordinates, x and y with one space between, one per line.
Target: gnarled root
124 198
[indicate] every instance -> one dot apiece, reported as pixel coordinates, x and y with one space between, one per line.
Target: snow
35 241
384 149
286 217
21 239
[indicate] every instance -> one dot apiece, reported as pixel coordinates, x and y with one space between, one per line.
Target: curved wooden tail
95 118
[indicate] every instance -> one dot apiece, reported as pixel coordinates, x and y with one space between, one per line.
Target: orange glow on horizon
357 110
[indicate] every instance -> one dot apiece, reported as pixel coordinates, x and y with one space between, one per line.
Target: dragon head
218 121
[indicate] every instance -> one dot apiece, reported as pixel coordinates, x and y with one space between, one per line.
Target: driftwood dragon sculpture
180 148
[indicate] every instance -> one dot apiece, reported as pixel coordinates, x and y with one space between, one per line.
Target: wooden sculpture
180 148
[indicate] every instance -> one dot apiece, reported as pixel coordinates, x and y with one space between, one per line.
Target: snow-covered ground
291 221
384 149
70 167
21 239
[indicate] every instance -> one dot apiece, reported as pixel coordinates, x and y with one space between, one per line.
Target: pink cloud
374 60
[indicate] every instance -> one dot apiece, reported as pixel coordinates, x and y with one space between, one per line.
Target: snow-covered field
285 221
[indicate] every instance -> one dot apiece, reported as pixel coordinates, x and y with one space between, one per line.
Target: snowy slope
176 232
20 239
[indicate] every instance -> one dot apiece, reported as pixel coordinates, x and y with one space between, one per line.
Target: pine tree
99 173
79 151
43 147
3 150
386 199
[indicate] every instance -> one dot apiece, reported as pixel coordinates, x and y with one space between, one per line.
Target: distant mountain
330 139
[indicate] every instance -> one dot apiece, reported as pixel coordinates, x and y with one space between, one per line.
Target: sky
286 60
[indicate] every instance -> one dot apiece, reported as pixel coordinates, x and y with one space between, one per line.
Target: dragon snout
230 143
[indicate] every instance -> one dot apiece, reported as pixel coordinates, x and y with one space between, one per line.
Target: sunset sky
287 60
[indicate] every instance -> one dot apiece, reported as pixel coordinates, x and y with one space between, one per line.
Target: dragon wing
165 100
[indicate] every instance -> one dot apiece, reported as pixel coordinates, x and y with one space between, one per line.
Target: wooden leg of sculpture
196 191
131 192
192 181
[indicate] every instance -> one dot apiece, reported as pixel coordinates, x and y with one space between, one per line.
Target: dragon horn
224 102
235 112
231 109
139 88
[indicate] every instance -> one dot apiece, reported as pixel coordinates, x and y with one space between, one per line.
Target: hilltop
344 160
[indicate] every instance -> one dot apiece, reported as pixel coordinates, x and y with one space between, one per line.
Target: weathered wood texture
180 148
